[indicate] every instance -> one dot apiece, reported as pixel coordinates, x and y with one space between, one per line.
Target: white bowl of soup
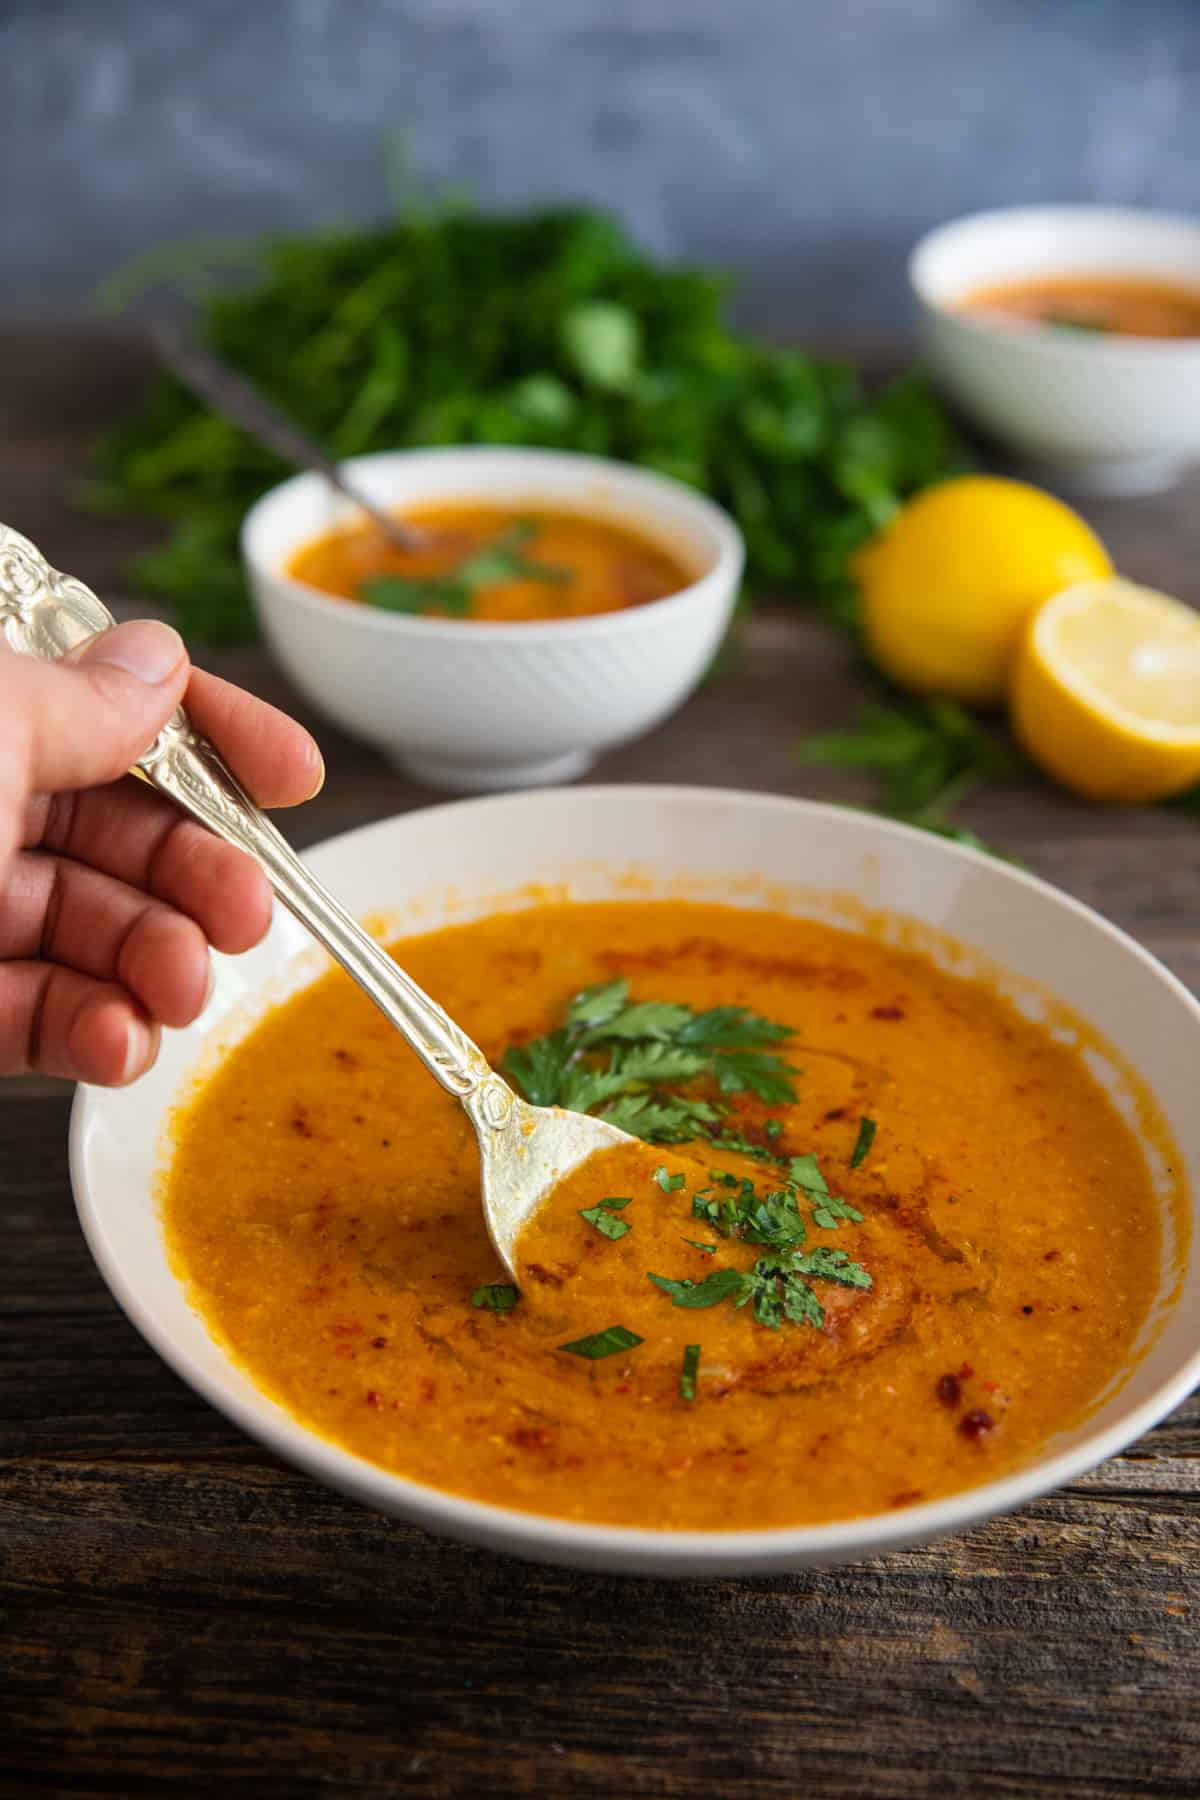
1071 334
568 604
920 1247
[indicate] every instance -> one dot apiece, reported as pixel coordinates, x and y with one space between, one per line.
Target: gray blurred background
803 144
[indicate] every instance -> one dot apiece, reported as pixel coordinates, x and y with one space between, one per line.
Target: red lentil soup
1124 305
492 565
913 1242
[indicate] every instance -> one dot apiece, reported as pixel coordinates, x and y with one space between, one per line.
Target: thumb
89 717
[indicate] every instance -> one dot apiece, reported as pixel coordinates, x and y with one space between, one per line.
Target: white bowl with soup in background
476 705
1058 963
1091 411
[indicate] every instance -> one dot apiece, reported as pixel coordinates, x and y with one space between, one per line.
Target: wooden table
185 1616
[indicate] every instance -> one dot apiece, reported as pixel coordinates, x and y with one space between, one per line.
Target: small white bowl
484 706
1092 413
452 863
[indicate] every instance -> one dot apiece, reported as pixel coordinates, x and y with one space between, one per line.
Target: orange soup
903 1237
484 563
1122 304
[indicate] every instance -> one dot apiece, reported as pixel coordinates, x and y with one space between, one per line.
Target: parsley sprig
453 592
627 1059
928 755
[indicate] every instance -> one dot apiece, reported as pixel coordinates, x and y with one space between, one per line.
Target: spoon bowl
524 1151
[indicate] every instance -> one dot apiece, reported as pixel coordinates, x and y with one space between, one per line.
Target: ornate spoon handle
45 614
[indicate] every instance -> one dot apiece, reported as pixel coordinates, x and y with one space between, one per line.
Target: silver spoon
234 397
524 1151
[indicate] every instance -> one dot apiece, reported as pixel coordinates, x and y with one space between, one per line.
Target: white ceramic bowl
455 862
474 706
1096 414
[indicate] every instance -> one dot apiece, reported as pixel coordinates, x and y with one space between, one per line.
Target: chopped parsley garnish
774 1127
830 1212
602 1217
687 1375
627 1060
496 1296
454 590
863 1142
670 1184
776 1287
603 1343
708 1249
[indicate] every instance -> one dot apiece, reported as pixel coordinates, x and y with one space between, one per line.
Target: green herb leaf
666 1120
603 1343
718 1286
829 1212
863 1142
739 1071
601 1216
603 342
708 1249
596 1005
730 1028
689 1371
649 1019
831 1265
670 1184
804 1172
496 1296
417 594
539 1068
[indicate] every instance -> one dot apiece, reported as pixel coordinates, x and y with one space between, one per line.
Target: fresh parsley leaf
647 1019
720 1285
496 1296
730 1028
733 1140
829 1211
862 1143
767 1076
596 1005
708 1249
601 1216
831 1265
417 594
670 1184
539 1068
689 1371
928 755
804 1172
603 1343
666 1120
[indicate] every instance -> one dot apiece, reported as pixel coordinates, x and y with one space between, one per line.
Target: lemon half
1106 691
948 587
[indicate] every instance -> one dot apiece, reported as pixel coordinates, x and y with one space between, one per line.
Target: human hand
109 897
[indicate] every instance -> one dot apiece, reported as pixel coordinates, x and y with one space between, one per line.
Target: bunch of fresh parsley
448 326
627 1059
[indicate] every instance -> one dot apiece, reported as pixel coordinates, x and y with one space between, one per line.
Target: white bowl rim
1040 341
622 1548
727 563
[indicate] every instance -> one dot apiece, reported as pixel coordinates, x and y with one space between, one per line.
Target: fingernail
137 1049
319 781
209 985
144 648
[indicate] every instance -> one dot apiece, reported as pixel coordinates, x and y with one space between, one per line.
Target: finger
86 719
273 757
62 1023
61 912
135 835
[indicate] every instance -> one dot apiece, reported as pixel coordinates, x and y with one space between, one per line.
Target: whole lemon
948 586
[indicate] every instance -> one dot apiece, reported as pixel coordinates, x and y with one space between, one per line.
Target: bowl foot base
1116 480
491 778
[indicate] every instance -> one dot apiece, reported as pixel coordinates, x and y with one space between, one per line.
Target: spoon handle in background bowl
231 395
45 614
